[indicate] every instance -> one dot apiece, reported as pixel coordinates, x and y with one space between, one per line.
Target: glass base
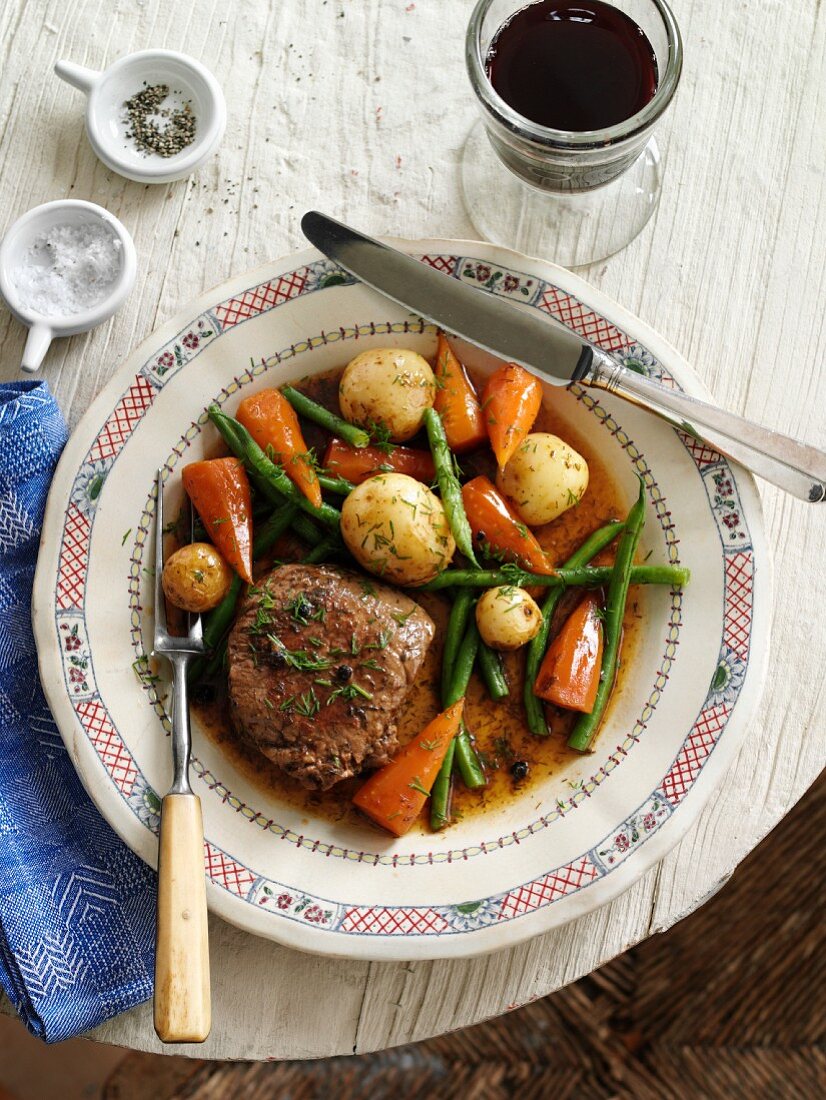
571 228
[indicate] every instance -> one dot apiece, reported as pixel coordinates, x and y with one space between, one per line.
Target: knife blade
452 305
544 346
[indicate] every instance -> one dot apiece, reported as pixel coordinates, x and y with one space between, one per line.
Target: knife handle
182 1012
796 467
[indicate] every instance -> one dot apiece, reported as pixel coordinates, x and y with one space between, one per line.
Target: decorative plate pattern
408 914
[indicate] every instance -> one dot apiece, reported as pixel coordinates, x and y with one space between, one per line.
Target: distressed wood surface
361 110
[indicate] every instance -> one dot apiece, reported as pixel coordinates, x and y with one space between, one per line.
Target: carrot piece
220 493
569 674
456 402
511 401
395 795
272 422
356 464
495 524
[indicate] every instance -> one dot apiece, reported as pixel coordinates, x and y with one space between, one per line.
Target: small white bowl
107 123
43 328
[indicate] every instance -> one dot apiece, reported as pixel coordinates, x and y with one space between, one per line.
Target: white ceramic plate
340 889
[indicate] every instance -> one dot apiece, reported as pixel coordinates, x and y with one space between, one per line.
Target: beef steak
320 660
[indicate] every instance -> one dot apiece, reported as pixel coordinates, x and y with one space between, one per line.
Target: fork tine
160 603
193 622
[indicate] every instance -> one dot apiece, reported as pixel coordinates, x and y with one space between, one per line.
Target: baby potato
387 386
196 578
396 528
507 617
543 478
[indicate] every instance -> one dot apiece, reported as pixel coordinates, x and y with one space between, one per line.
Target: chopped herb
503 748
269 703
380 436
372 663
303 612
308 704
382 643
430 746
198 574
416 784
125 537
514 575
299 658
349 691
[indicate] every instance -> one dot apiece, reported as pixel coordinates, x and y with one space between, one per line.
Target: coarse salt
68 269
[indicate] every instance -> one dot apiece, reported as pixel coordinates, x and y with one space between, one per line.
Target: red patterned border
234 876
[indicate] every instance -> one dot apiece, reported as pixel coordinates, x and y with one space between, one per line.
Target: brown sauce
499 729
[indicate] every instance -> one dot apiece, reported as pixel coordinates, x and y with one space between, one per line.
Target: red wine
572 65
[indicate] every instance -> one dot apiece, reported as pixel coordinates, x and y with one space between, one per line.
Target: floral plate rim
655 845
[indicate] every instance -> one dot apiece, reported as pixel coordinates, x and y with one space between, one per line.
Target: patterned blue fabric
76 906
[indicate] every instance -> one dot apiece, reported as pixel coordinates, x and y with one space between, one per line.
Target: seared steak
320 660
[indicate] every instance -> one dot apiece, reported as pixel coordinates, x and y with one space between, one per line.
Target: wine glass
571 196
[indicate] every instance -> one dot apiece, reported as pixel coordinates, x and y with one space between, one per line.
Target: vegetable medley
409 516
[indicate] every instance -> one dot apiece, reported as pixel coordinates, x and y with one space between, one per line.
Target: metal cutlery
182 1010
547 348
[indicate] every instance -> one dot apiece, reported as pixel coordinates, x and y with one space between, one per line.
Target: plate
340 889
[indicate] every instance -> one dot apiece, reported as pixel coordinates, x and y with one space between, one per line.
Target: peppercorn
343 674
519 770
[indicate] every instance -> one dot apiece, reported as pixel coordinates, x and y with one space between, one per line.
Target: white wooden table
361 109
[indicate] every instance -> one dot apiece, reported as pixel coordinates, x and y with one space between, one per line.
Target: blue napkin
76 906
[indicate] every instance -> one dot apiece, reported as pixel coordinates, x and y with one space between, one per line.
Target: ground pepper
156 129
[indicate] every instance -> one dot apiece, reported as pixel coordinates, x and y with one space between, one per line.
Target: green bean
469 766
456 625
211 665
306 529
490 665
587 724
449 485
322 550
534 709
462 748
338 485
305 406
265 471
586 576
440 793
463 665
270 532
218 621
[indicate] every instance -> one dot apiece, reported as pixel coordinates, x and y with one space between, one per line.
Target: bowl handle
37 344
77 75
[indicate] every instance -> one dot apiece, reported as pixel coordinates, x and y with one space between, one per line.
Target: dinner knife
545 347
